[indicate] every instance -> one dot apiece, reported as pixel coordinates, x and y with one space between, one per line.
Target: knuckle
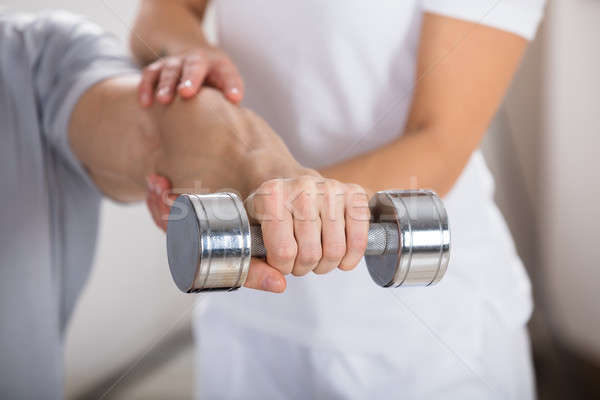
334 186
357 205
270 186
309 254
359 213
305 212
305 182
196 56
270 194
194 68
153 68
356 189
334 251
356 193
334 191
172 63
285 251
168 75
358 243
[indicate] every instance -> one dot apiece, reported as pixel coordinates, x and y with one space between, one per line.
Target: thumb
262 276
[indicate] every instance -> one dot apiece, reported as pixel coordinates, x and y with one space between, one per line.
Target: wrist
262 169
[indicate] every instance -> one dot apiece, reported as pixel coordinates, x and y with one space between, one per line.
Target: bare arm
204 143
463 72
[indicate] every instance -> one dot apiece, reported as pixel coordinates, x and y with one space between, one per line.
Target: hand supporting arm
204 143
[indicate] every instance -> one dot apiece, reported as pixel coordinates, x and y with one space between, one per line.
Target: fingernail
145 99
272 284
186 84
234 91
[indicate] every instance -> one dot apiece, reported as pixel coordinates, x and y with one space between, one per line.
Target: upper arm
67 55
463 72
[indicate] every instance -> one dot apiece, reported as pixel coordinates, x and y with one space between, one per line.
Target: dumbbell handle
383 239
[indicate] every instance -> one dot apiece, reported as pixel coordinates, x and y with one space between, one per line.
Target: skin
463 71
122 144
171 28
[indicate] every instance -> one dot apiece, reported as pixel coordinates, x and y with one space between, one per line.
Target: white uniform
334 79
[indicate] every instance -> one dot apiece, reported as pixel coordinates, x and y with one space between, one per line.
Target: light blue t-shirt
49 206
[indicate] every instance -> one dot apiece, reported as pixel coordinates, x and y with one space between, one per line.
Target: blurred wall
542 151
570 173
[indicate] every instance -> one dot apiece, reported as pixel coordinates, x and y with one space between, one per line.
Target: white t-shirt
334 79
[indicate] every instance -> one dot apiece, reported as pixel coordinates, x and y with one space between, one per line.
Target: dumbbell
210 240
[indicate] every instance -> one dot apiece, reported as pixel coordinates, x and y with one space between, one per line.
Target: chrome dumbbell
210 240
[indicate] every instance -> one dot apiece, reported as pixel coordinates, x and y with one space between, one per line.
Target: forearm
417 160
464 70
201 144
167 27
209 144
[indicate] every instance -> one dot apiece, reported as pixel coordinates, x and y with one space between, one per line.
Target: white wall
570 176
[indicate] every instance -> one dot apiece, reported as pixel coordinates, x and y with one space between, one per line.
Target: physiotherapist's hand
185 74
311 223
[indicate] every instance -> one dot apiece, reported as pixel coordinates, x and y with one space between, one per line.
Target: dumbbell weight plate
208 242
424 239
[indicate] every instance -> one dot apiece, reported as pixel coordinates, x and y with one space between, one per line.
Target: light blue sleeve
521 17
71 54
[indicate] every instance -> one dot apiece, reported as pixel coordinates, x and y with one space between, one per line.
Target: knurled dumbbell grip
383 239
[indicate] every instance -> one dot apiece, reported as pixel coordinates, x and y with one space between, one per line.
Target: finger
307 230
262 276
357 226
225 76
159 199
333 230
148 83
166 208
192 76
169 76
162 189
150 203
277 226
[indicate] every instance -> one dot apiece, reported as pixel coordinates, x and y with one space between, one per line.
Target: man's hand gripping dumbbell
301 225
308 223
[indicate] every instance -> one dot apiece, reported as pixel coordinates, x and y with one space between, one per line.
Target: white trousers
234 361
